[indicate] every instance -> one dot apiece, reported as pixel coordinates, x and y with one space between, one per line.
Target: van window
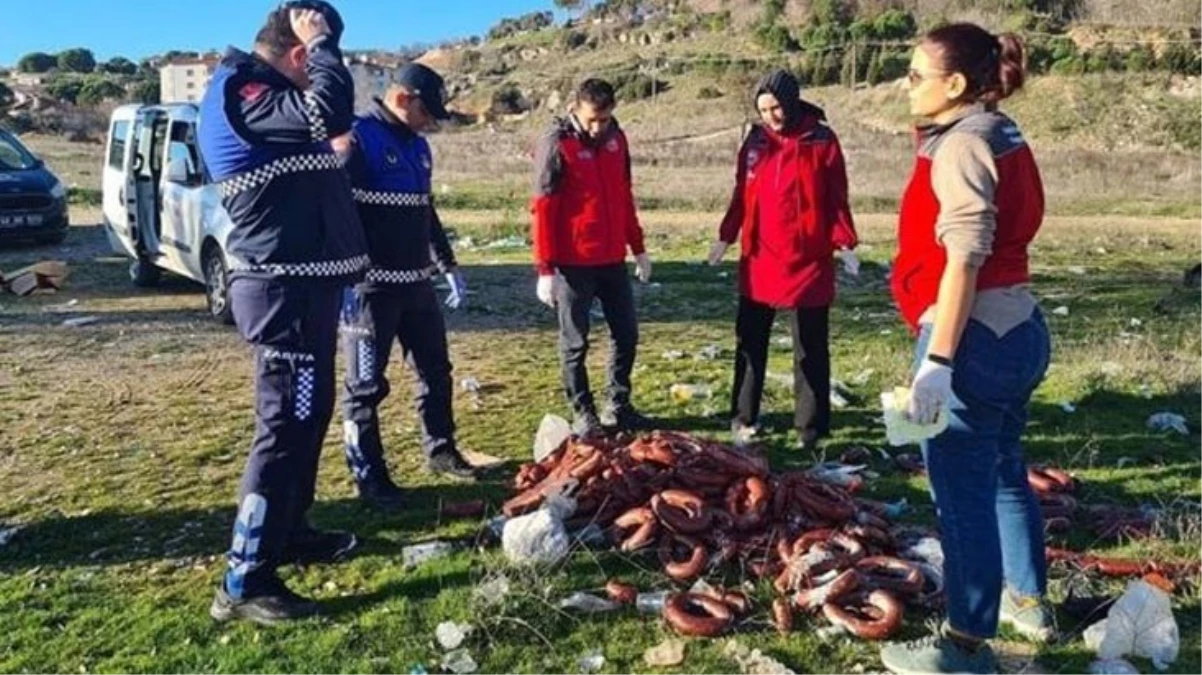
117 138
183 144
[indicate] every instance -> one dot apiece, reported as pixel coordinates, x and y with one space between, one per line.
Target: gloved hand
642 267
458 289
717 251
851 262
929 392
545 289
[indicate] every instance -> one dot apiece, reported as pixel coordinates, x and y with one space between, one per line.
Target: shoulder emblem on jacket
251 91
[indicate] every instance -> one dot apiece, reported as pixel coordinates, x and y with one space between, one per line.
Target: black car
33 201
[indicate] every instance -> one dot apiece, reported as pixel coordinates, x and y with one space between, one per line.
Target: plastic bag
551 434
1141 623
537 537
589 604
1112 667
899 430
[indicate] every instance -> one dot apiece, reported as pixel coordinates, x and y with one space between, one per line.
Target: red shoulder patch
252 90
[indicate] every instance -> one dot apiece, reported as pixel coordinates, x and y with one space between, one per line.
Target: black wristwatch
941 360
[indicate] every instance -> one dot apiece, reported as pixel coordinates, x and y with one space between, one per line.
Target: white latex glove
458 289
717 251
851 261
642 267
929 392
545 289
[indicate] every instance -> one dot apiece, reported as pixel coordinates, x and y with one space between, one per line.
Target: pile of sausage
699 504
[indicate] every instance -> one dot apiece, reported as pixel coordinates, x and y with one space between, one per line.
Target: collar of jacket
380 112
260 68
573 126
926 132
811 117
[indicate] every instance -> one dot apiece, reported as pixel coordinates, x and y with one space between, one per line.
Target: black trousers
293 327
577 288
372 318
810 327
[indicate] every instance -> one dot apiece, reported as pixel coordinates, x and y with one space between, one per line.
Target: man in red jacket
583 220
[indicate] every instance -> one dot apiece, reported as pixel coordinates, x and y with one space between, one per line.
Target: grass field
121 444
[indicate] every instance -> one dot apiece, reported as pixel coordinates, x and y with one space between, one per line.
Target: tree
98 88
65 88
76 60
147 92
119 65
36 62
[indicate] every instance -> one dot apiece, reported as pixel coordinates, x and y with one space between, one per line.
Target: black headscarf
781 84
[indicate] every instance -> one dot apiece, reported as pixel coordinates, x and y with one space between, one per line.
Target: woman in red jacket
973 204
790 208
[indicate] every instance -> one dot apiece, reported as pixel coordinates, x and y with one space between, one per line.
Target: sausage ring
685 570
813 598
747 502
681 511
654 450
874 616
621 593
893 574
824 502
695 614
1049 479
782 615
644 524
738 463
1057 505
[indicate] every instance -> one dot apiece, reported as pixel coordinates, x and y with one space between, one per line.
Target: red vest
918 266
589 218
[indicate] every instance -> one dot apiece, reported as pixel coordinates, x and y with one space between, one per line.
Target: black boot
382 494
276 604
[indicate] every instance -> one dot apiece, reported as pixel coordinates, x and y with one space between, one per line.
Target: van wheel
217 285
144 273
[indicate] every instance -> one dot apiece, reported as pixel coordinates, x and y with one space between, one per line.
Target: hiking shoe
808 440
317 546
587 425
382 494
1029 616
937 654
277 605
451 464
625 418
743 434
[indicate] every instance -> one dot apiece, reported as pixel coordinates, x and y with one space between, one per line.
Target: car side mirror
177 171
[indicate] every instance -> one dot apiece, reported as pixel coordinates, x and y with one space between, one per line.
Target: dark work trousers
574 294
293 327
811 365
372 318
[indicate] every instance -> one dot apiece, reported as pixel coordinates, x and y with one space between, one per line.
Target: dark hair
597 92
276 36
994 65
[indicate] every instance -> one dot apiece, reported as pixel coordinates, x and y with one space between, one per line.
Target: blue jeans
989 518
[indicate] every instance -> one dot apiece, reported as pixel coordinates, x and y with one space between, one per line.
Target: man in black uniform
265 121
390 166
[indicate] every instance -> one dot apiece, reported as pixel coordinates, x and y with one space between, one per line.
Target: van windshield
13 155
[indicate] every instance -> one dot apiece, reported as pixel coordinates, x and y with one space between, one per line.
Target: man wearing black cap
265 124
390 167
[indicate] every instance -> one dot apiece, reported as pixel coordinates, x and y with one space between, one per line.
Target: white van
158 207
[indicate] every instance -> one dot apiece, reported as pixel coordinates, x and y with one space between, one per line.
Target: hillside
1113 109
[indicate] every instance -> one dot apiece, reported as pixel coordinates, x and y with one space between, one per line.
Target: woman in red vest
790 210
973 204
